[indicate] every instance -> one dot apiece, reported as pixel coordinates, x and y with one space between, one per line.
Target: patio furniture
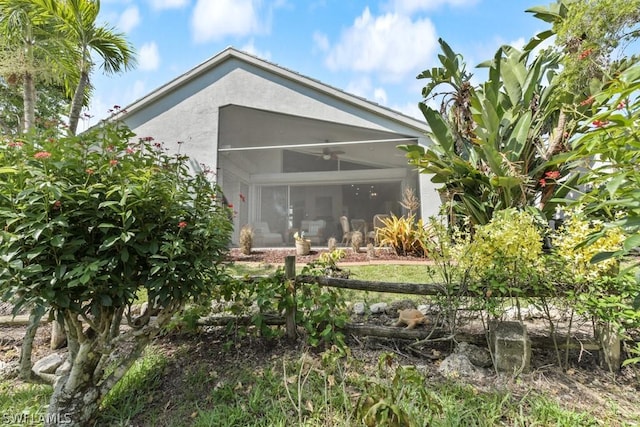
346 232
314 230
359 225
262 236
378 222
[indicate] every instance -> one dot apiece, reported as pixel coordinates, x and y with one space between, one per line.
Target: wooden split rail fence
609 343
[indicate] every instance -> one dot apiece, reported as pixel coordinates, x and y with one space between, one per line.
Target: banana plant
508 150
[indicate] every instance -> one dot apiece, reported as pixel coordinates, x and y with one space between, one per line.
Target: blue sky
373 49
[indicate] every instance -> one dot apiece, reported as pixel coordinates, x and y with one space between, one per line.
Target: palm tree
76 20
25 50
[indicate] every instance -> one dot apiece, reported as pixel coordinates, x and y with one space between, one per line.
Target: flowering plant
87 224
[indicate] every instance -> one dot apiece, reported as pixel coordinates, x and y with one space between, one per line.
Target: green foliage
505 256
398 401
88 221
498 148
406 235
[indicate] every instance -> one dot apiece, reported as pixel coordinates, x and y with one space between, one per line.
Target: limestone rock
479 356
458 365
48 364
379 308
358 308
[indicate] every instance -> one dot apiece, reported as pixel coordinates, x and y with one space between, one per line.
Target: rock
379 308
9 370
478 356
358 308
48 364
64 368
402 304
429 308
458 365
511 347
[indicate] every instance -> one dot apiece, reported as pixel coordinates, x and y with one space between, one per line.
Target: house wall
188 111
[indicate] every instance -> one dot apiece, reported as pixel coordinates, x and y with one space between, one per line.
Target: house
288 150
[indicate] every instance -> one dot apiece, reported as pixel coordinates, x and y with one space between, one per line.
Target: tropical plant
405 234
28 48
90 222
496 145
75 21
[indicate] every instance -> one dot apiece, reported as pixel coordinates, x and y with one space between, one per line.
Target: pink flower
244 199
130 150
552 174
89 171
16 144
42 155
543 182
600 123
113 162
182 224
621 104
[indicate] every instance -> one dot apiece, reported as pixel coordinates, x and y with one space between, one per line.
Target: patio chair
378 222
346 232
262 236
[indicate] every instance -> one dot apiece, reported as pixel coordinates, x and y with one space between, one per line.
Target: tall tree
76 21
25 52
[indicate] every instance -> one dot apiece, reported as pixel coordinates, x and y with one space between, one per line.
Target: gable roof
232 53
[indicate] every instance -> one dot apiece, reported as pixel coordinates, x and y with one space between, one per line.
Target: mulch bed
278 255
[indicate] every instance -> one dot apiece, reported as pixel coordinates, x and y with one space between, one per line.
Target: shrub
405 235
88 222
246 240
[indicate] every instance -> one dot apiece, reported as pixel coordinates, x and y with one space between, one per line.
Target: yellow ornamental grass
569 245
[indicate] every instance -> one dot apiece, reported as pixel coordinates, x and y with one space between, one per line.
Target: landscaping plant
88 223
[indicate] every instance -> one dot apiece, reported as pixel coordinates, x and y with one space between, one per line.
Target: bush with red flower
88 223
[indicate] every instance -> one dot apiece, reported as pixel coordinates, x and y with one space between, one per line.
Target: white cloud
391 45
380 96
412 6
321 41
251 49
129 19
149 57
213 20
168 4
359 87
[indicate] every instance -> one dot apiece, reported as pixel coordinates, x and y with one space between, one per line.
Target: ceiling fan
328 154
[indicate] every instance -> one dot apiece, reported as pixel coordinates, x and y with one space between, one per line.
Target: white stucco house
288 150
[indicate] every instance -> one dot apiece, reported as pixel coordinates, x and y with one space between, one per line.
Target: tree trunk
27 342
76 398
78 102
29 100
58 337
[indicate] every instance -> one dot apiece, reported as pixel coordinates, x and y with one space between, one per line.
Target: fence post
290 277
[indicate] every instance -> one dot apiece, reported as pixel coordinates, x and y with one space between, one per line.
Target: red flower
42 155
89 171
543 182
621 104
585 53
600 123
244 199
113 162
130 150
552 174
230 205
182 224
